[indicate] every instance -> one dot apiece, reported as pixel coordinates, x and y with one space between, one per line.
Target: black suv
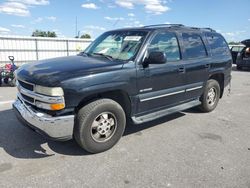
137 74
243 57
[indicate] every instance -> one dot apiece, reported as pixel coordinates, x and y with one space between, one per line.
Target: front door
161 85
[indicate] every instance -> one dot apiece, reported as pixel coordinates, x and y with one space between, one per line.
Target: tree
85 36
39 33
233 43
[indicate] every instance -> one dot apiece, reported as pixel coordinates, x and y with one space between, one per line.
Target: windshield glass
119 45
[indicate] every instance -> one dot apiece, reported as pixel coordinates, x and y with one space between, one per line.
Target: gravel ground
186 149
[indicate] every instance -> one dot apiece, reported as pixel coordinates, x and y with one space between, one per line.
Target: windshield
119 45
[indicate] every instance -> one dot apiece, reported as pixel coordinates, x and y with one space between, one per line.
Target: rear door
161 85
197 64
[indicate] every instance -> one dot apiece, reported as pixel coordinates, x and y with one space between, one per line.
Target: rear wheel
99 125
211 96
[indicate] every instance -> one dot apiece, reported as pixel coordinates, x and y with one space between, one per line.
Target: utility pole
76 28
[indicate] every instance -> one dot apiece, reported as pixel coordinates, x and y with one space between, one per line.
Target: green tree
86 36
39 33
234 43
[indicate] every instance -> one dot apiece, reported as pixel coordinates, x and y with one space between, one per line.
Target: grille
26 85
27 98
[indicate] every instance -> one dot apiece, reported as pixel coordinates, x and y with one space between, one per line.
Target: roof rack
205 28
210 29
164 25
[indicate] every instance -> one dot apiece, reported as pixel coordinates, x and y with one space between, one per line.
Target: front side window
194 46
120 45
167 43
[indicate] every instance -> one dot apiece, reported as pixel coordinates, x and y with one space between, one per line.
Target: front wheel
211 96
99 125
6 80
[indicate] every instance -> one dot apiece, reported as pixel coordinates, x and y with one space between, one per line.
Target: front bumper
56 128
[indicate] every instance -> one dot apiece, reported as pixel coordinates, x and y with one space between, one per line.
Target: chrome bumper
56 128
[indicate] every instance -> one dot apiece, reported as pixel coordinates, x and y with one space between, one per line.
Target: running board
168 111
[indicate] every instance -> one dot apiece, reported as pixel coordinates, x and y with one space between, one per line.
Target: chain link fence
29 49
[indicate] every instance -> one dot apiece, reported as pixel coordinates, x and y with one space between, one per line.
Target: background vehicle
235 50
7 73
243 58
137 74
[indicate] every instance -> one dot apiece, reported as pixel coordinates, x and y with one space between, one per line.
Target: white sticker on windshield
132 38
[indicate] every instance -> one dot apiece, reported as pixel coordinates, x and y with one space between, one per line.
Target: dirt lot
187 149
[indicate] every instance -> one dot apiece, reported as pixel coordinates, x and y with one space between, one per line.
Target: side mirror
11 58
155 58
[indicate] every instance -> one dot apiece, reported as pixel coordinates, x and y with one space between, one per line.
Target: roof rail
205 28
210 29
164 25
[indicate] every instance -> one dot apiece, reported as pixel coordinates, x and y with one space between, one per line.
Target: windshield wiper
84 53
109 57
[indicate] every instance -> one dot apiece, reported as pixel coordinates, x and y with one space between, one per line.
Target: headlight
50 91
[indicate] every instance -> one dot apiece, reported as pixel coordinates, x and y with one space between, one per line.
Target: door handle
181 70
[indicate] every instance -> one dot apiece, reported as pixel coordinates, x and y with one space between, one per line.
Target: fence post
36 49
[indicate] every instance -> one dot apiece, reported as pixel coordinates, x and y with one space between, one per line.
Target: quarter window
194 46
218 44
167 43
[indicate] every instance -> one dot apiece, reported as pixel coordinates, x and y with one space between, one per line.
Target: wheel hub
211 96
103 127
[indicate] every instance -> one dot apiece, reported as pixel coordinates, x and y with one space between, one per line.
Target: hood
52 71
246 42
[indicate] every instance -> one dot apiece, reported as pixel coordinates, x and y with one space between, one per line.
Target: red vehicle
7 73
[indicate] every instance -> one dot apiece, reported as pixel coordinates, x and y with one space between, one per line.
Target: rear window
194 46
218 44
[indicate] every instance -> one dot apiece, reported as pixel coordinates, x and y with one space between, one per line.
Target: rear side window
218 44
194 46
167 43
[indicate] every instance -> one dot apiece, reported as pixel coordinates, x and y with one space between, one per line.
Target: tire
90 125
6 80
238 67
211 96
0 79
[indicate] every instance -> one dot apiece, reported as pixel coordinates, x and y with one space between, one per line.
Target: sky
22 17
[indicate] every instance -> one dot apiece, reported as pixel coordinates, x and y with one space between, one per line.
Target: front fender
79 88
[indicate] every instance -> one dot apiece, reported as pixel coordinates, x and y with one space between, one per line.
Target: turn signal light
59 106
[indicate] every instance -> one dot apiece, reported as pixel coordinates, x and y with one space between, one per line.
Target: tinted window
194 45
218 44
167 43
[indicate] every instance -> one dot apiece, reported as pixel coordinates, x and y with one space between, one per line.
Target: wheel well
219 77
119 96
